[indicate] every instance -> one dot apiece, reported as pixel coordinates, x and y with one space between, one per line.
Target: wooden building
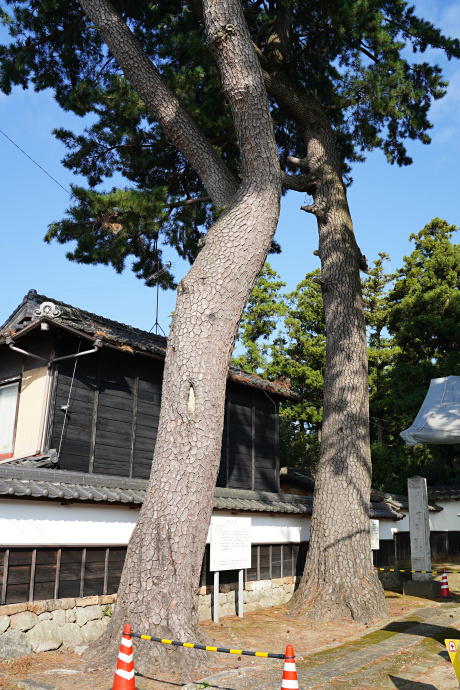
79 407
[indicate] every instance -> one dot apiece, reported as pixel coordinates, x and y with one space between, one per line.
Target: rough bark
338 580
158 588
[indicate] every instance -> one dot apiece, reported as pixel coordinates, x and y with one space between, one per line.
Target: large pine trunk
158 588
338 580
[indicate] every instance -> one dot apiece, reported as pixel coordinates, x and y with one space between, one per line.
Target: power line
37 164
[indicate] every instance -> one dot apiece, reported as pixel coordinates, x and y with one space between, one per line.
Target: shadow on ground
428 630
403 684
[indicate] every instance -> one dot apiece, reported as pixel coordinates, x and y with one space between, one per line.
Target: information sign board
375 535
230 543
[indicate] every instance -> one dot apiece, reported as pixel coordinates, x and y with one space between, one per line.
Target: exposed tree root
362 601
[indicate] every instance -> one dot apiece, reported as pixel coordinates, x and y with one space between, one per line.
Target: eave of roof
66 486
451 493
122 336
400 502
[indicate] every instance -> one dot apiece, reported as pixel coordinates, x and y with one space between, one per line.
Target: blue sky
387 203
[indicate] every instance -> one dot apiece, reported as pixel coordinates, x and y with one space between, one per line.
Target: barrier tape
208 649
436 572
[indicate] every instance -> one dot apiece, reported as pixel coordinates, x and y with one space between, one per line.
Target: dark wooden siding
111 423
112 420
249 458
114 423
75 386
443 545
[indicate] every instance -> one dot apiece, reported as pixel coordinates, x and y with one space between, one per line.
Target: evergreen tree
299 354
260 317
425 323
340 83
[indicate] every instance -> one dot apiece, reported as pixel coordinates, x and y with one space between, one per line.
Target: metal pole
215 616
240 593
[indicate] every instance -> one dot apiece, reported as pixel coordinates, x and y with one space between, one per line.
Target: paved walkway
408 655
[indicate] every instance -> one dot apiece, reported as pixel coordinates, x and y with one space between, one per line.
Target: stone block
4 624
11 609
87 601
70 616
23 621
107 599
65 604
45 636
81 649
14 644
59 617
46 616
88 613
92 630
422 588
38 607
71 635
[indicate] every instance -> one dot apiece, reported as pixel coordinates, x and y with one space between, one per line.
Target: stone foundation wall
257 595
41 626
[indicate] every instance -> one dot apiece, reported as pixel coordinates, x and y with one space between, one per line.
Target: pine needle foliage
352 55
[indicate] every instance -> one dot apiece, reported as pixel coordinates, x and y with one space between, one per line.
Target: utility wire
37 164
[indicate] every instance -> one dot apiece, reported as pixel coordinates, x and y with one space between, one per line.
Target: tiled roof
443 492
400 502
304 479
298 476
120 335
61 485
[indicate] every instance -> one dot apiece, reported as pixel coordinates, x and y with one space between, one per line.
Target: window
8 406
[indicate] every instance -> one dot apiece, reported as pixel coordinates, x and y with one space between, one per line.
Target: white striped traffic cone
124 674
289 681
444 585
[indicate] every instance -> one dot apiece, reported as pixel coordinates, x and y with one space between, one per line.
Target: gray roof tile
76 486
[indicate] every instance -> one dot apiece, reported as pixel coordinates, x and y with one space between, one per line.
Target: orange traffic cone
124 674
444 585
289 672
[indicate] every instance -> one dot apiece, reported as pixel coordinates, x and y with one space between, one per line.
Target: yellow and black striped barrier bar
192 645
434 572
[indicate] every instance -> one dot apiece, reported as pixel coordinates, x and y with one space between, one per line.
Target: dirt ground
269 630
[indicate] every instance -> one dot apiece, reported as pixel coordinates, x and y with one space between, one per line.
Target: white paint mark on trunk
191 400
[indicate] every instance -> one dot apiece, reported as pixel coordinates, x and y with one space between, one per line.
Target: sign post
230 550
375 538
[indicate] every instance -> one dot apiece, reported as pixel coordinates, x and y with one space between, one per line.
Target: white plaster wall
387 528
276 529
447 519
42 523
403 525
34 523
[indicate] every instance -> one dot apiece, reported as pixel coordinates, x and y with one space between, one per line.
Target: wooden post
106 570
58 572
5 575
82 573
240 593
215 615
32 575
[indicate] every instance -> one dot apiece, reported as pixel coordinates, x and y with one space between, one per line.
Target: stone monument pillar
422 584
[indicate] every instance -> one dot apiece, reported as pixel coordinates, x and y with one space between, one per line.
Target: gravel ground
406 651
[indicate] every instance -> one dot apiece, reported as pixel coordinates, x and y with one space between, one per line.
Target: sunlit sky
387 203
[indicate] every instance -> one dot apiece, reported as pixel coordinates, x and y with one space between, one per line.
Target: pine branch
179 127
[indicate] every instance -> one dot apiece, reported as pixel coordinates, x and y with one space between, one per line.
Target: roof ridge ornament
48 309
